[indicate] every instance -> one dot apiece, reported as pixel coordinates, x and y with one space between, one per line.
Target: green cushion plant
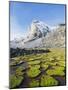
34 83
15 81
48 81
33 71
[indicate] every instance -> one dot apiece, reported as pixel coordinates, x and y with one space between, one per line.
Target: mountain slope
56 38
37 30
41 35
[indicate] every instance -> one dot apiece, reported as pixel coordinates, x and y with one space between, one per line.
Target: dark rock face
18 52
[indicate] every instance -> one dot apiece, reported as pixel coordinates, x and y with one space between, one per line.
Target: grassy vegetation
45 66
33 62
53 63
15 81
33 71
16 78
48 81
55 72
34 83
19 71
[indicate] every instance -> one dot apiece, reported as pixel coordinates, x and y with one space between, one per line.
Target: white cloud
16 31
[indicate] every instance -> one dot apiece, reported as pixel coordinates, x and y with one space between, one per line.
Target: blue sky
22 14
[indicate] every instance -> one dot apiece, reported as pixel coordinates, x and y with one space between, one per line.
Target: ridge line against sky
22 14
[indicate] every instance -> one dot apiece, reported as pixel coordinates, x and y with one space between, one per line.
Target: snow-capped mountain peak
38 29
38 32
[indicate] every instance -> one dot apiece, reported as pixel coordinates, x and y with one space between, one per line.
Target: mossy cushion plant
33 66
18 71
34 83
33 71
61 63
48 81
45 66
15 81
16 78
58 67
34 62
56 71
